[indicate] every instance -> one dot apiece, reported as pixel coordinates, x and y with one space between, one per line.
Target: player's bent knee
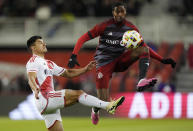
72 96
145 49
77 94
80 91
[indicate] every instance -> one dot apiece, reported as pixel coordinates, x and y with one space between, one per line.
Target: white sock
92 101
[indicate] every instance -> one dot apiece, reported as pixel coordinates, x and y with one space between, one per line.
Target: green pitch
105 124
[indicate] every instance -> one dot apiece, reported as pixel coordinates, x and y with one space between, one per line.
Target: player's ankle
96 110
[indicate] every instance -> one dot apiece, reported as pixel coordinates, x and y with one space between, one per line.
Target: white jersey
45 70
50 101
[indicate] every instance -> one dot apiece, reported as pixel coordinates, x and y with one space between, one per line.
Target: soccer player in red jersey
111 56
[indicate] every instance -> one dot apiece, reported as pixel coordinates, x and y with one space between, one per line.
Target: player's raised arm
91 34
69 73
156 56
31 80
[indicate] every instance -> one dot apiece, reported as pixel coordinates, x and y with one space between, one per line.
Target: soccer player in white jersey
40 73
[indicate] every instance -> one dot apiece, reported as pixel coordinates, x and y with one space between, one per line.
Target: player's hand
36 93
73 61
91 65
169 61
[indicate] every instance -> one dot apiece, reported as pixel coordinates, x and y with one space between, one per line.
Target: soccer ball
131 39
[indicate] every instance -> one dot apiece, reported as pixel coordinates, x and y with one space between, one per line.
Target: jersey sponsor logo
100 75
113 42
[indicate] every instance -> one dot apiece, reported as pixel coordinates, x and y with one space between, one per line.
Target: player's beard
119 19
45 50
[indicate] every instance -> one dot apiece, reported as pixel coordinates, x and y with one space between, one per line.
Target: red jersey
110 38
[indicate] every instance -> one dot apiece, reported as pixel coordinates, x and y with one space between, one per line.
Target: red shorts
120 64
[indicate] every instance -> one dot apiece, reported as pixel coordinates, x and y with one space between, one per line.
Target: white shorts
50 108
51 118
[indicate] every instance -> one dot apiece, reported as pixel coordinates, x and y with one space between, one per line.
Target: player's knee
144 52
144 49
80 92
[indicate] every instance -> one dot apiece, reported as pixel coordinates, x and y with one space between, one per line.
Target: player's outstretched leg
146 83
73 96
110 107
95 102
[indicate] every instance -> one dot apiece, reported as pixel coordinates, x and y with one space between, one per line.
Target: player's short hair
32 40
118 4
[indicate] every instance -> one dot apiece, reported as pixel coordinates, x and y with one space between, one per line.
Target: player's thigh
102 86
57 126
104 74
56 100
124 61
103 82
71 96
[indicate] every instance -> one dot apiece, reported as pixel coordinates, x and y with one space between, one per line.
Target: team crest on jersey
45 71
50 64
100 75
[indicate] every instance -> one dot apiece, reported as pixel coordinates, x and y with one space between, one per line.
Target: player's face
119 13
40 46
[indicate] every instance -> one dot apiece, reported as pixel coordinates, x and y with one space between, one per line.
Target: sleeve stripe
61 71
90 35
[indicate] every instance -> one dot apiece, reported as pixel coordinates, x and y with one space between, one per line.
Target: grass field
106 124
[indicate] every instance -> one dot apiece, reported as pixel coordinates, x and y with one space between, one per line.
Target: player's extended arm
156 56
32 82
91 34
70 73
73 59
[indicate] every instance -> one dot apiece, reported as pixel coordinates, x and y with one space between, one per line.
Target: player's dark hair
118 4
32 40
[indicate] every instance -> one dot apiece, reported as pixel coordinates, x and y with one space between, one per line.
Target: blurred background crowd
167 27
83 8
78 8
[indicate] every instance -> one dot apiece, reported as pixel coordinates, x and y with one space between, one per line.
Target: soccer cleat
94 117
152 82
146 83
111 108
